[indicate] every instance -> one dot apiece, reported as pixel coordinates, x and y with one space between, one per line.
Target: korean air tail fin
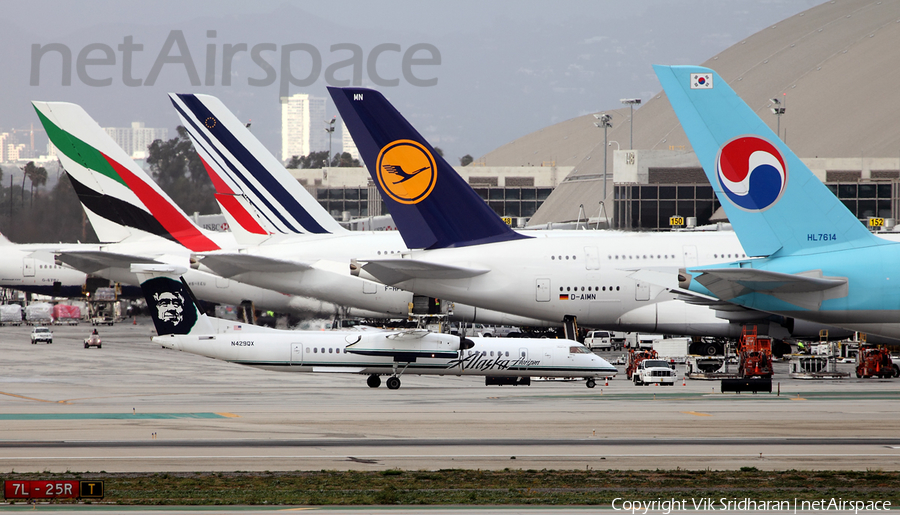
172 305
259 195
774 202
431 204
120 199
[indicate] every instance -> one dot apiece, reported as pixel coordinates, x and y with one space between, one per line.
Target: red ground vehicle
635 357
874 362
754 354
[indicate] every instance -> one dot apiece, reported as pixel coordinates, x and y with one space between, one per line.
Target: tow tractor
754 364
874 362
754 354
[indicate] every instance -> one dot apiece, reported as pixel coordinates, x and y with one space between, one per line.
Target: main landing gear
393 382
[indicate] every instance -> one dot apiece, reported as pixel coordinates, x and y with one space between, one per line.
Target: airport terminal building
651 187
511 191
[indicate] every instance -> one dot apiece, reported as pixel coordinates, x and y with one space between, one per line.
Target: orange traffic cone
683 381
607 381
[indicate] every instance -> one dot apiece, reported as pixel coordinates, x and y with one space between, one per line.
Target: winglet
773 200
431 204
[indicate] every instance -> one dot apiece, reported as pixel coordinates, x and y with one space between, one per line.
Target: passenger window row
589 288
645 256
485 353
316 350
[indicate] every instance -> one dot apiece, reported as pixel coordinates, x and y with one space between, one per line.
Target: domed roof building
835 67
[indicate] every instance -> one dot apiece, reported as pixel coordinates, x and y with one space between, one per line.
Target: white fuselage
326 258
326 351
584 274
20 270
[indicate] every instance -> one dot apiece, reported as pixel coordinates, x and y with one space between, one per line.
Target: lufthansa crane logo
406 171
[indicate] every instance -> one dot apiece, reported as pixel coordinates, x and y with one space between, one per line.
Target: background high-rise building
135 139
302 126
347 143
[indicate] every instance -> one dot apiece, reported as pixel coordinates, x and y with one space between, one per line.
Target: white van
600 340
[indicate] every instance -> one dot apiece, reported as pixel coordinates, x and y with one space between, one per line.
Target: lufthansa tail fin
171 303
256 190
776 205
120 199
431 204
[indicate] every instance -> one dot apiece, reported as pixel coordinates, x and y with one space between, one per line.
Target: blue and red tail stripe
307 224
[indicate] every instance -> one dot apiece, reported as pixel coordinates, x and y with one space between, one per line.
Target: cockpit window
579 349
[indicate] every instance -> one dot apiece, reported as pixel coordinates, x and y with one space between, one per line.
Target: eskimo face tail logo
751 172
406 171
170 305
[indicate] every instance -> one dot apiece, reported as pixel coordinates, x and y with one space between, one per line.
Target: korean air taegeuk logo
406 171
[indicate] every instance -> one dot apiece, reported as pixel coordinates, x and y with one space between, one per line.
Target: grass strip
483 487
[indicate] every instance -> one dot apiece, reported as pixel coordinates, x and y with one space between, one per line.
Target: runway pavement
133 406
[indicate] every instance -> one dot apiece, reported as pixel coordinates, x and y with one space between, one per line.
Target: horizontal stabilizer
90 261
806 289
393 271
233 263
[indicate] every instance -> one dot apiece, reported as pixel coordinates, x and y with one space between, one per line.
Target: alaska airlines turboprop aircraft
181 326
464 251
818 261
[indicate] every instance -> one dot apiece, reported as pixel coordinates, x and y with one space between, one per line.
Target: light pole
631 102
778 110
330 130
618 147
603 121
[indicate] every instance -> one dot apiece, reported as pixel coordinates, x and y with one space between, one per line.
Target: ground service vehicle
673 349
634 360
874 362
653 371
41 334
641 340
601 340
93 341
755 354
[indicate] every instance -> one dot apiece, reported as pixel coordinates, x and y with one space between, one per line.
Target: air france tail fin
172 305
256 190
774 202
431 204
120 199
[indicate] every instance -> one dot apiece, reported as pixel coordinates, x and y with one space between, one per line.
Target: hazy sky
505 68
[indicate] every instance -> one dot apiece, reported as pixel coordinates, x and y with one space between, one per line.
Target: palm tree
37 175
